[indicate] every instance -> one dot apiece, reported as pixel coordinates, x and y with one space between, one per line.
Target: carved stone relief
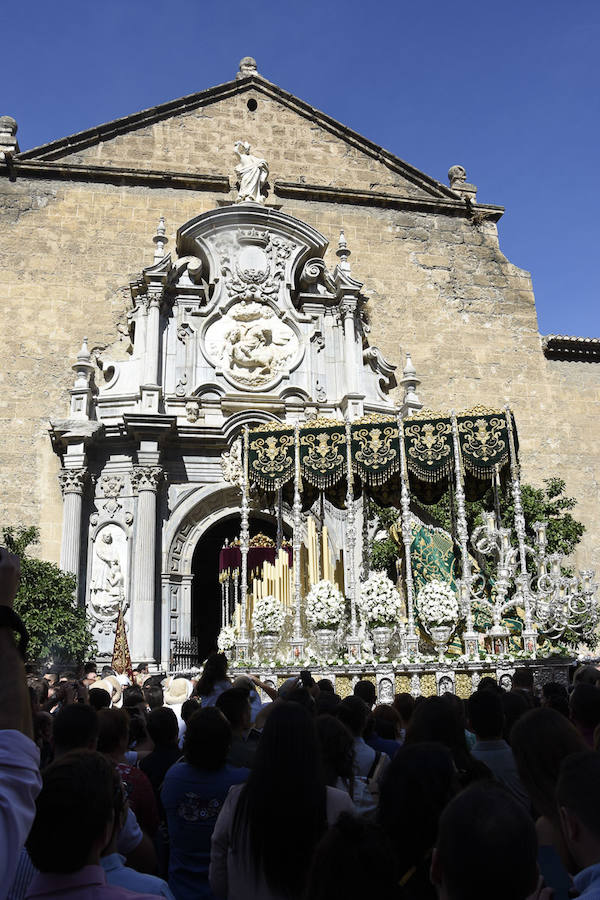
107 585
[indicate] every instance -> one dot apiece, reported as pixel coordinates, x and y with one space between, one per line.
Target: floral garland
227 638
324 605
379 602
437 604
268 615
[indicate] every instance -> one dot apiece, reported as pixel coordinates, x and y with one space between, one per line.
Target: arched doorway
206 590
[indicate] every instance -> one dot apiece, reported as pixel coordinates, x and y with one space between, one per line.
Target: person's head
39 688
584 705
486 716
207 739
488 683
99 698
556 697
163 727
404 704
302 696
154 696
417 785
435 720
337 749
215 669
107 670
514 705
586 675
353 860
286 785
178 690
142 669
353 713
89 674
578 800
486 847
113 736
326 703
245 682
387 722
540 740
75 728
189 708
325 685
235 706
77 799
366 691
133 698
523 679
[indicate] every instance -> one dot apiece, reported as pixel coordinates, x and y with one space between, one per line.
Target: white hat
178 691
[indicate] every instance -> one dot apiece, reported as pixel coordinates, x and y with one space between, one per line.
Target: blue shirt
119 874
588 883
192 799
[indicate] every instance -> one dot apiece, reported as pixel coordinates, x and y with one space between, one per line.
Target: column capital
72 481
348 307
146 478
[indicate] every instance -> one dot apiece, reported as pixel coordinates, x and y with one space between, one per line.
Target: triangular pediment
195 134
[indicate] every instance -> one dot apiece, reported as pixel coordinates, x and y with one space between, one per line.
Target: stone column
72 482
348 309
152 338
145 481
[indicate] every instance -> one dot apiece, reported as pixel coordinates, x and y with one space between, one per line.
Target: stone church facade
230 313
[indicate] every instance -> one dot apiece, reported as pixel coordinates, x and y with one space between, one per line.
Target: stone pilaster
348 313
145 481
72 483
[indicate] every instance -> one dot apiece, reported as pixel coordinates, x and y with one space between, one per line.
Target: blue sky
509 89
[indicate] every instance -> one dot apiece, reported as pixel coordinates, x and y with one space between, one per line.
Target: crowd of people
222 787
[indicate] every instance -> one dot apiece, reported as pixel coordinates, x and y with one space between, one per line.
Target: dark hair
235 706
366 691
578 787
435 720
487 846
337 751
39 686
215 669
107 670
286 785
207 739
514 704
114 729
488 683
189 708
416 787
486 715
154 696
77 799
326 703
133 695
405 704
540 740
89 667
523 678
353 860
99 699
303 697
353 713
585 705
586 675
162 726
387 721
75 727
326 685
556 697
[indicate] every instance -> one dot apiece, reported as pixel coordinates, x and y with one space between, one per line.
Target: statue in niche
107 590
252 172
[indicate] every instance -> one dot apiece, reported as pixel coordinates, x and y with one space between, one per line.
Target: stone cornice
565 347
69 171
325 194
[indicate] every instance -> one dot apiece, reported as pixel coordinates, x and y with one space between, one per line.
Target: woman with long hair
213 680
267 831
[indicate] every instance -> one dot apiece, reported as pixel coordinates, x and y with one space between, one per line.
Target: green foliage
58 630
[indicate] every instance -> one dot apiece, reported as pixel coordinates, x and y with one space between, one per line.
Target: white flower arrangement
227 638
379 602
268 615
437 604
324 605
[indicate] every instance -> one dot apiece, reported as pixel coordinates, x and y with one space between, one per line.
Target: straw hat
104 685
178 691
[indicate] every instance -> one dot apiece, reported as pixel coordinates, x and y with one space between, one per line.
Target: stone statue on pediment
252 172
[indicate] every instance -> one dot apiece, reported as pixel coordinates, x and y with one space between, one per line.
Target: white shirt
20 783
